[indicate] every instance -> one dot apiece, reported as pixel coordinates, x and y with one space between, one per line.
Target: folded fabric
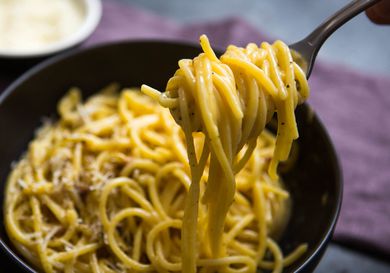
354 106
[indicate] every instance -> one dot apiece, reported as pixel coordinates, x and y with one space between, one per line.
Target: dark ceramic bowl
314 182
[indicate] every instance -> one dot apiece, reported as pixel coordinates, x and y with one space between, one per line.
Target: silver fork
305 51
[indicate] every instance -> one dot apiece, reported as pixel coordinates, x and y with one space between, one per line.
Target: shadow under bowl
315 182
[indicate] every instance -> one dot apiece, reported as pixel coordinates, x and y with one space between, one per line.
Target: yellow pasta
230 100
116 185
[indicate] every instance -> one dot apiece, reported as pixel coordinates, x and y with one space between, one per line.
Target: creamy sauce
29 25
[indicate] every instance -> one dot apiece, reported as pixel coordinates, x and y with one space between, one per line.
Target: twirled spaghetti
230 100
105 188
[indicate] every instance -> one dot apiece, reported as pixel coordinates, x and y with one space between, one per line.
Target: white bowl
93 13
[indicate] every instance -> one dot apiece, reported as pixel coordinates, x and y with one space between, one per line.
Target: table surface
357 43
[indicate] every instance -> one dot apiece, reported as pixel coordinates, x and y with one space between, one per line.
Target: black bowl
315 181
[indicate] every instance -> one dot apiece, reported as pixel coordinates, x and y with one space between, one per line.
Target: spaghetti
112 187
230 100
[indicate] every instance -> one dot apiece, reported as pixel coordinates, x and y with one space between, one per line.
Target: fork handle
323 31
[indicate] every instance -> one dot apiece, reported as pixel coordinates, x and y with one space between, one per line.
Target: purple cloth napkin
354 106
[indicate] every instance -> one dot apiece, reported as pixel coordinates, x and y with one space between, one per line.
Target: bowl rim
93 14
318 248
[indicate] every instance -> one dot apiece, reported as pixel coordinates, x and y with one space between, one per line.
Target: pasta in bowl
139 206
